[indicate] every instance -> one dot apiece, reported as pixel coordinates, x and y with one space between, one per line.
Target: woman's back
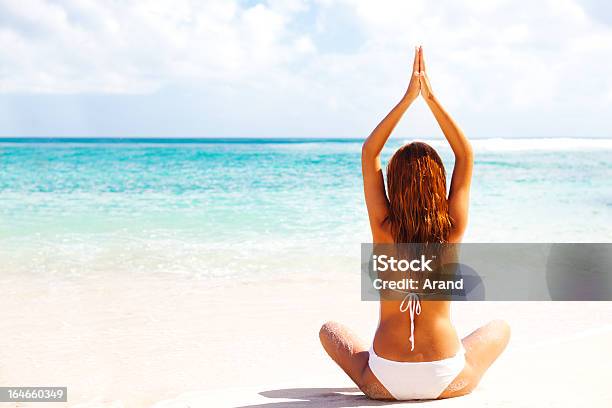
435 338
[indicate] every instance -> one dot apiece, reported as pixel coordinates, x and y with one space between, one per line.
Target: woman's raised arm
373 182
459 194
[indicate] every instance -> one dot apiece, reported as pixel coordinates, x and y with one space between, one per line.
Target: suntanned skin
435 336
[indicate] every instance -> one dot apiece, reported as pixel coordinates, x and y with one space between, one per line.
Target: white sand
136 342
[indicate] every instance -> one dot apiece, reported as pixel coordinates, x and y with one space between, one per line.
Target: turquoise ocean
218 209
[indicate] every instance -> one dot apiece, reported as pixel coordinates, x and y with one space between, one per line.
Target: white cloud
490 57
139 46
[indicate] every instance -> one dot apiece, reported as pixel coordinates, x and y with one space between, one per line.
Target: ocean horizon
254 139
217 208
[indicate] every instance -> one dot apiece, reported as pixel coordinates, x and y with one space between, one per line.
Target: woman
416 355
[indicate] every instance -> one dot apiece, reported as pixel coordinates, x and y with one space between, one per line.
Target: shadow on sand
319 397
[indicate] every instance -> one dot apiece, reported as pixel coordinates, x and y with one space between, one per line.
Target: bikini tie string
411 302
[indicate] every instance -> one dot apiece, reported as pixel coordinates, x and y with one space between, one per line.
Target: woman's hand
423 79
414 87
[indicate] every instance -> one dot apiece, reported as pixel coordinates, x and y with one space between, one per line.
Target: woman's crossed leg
482 347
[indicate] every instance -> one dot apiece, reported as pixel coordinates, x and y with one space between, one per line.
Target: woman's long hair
418 207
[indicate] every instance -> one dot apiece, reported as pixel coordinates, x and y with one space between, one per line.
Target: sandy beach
125 342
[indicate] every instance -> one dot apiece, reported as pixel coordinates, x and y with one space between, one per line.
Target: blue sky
326 68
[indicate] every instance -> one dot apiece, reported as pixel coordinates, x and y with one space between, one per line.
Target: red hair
418 207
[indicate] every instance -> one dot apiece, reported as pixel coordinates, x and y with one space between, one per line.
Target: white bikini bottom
416 380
